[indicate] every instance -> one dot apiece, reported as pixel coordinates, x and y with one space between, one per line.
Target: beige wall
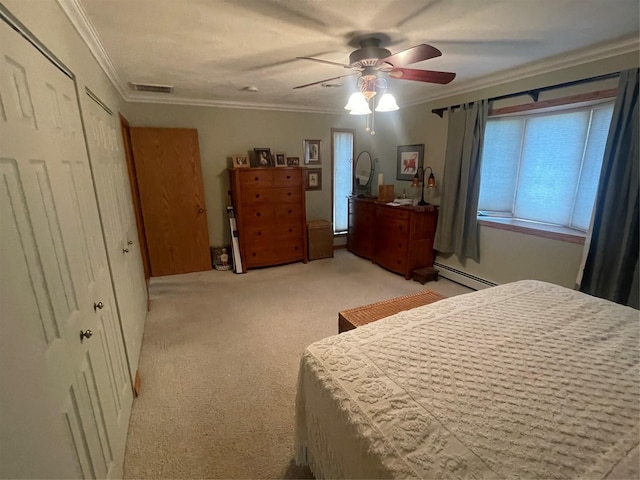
505 256
510 256
225 131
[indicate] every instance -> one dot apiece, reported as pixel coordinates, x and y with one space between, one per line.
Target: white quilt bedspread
524 380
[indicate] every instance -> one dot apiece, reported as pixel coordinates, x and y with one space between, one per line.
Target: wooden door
169 174
65 399
118 224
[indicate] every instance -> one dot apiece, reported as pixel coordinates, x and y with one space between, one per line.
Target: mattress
524 380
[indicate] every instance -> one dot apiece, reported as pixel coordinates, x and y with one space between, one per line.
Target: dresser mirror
363 173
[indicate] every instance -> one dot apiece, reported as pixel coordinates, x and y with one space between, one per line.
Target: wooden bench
356 317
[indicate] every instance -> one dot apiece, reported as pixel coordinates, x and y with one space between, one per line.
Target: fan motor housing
367 56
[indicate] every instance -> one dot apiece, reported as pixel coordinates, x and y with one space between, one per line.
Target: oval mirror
362 172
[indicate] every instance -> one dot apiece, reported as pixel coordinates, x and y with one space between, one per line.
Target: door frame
125 127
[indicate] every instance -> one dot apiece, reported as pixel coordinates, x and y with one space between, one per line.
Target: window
544 167
342 153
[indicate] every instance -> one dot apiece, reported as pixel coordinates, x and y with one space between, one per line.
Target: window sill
563 234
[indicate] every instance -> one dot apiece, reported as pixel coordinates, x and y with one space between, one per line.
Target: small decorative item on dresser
240 160
281 159
293 161
313 179
312 151
262 158
386 193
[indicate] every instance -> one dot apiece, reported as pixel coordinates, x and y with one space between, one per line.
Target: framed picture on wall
312 152
313 179
240 161
409 162
262 158
281 159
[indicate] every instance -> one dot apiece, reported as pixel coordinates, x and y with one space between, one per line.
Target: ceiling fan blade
323 61
411 55
325 80
430 76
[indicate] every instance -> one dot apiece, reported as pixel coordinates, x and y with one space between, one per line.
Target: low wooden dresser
398 238
269 204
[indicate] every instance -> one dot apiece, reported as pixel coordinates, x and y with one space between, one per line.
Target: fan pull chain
373 113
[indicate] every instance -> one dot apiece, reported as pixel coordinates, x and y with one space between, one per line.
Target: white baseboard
463 278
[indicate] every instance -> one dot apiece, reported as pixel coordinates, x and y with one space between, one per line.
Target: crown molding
200 102
78 18
577 57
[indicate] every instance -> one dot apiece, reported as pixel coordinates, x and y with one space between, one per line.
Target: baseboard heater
463 278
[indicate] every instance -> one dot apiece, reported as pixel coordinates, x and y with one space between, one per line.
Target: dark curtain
611 267
457 230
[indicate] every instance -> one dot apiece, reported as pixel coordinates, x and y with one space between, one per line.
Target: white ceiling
210 49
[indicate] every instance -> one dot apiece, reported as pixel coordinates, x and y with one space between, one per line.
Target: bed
523 380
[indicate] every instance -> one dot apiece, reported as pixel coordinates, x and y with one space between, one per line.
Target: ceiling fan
370 60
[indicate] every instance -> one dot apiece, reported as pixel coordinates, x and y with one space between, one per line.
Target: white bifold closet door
65 398
111 181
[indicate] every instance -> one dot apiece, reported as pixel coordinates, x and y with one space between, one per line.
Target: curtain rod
535 92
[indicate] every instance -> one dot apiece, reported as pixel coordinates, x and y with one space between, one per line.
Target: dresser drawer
258 215
274 233
288 213
259 196
391 227
287 177
287 195
260 255
256 176
393 213
394 263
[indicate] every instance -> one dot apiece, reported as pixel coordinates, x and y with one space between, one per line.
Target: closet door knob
130 242
85 334
125 250
98 306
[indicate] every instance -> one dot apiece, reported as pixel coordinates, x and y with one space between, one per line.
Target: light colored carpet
220 360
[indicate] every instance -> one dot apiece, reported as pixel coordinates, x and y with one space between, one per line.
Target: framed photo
262 158
312 152
240 161
410 158
281 159
293 161
313 179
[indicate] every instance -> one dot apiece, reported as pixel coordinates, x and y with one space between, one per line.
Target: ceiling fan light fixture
357 104
387 103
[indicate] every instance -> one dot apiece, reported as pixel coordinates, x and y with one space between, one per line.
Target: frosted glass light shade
358 105
387 103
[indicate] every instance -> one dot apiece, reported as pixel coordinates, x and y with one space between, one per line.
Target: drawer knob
290 230
290 210
258 214
253 254
289 194
257 195
295 248
288 177
259 234
256 178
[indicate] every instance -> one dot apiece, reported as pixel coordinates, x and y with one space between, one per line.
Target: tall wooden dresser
270 213
398 238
